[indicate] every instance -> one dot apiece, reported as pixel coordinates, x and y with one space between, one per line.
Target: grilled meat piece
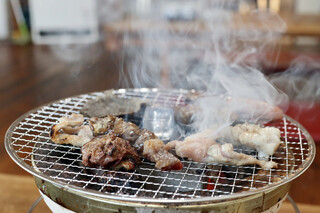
265 140
205 149
101 126
145 135
70 130
115 144
154 150
145 141
126 130
128 164
183 114
192 149
109 151
224 154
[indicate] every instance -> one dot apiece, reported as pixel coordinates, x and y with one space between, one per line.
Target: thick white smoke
219 53
206 45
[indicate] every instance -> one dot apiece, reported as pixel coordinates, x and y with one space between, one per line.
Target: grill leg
35 203
293 204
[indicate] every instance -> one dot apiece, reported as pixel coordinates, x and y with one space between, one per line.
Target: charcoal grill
60 175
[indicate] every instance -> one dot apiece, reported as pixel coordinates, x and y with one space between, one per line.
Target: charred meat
145 135
111 142
126 130
109 151
155 151
70 130
144 141
101 126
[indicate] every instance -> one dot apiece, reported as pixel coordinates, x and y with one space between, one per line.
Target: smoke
301 83
206 45
219 53
301 80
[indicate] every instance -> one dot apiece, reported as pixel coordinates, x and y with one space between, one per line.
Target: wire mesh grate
30 145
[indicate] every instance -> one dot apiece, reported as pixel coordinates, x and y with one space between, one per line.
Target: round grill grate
29 145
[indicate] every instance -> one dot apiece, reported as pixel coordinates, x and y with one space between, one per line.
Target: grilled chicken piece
265 140
101 126
126 130
224 154
144 141
145 135
202 149
192 149
154 150
70 130
109 151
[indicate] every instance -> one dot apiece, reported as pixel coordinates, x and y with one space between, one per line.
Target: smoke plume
218 53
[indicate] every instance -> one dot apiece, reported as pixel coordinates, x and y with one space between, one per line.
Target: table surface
35 75
24 186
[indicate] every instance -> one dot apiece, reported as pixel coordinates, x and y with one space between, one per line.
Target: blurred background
53 49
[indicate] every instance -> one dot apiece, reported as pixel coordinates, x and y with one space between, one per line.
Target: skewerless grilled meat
70 130
155 151
109 151
144 140
201 147
265 140
126 130
145 135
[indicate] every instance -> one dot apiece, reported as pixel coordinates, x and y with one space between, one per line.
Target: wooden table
19 192
35 75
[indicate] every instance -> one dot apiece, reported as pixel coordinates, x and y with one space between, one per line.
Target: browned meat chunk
183 114
144 141
101 126
109 151
144 136
155 151
70 130
126 130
